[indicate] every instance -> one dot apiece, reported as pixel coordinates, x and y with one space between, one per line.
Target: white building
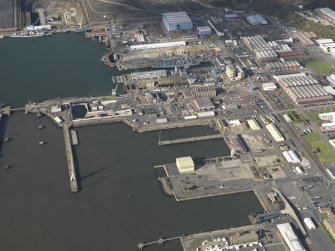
331 79
234 122
328 126
309 223
329 13
206 114
287 118
331 173
56 109
253 124
275 133
38 27
332 143
185 164
269 86
327 116
157 45
290 237
298 170
291 157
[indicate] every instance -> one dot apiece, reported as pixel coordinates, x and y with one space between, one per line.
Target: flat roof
177 17
328 12
185 161
204 103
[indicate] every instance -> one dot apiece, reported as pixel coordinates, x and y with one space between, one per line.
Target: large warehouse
261 49
290 238
177 21
303 89
284 66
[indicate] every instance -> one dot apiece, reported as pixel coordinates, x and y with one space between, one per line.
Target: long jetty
187 140
69 158
160 241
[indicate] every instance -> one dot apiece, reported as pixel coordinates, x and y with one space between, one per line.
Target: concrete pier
69 158
191 139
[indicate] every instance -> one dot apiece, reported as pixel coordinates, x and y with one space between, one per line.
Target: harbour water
121 202
61 65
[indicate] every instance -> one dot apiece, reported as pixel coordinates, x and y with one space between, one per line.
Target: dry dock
69 158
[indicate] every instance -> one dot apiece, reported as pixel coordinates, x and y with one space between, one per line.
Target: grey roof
177 17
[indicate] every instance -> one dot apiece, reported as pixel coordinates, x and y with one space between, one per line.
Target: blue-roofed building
177 21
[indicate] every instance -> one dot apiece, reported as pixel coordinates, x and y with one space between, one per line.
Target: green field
325 154
296 117
314 116
328 234
319 66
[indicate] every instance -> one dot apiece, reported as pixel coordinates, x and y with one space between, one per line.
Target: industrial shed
204 30
253 124
303 89
177 21
203 104
291 157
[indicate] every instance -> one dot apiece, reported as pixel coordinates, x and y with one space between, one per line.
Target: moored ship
28 34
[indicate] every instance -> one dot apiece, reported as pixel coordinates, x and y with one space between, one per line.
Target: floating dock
69 158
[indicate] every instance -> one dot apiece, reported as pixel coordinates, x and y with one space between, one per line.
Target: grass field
325 154
328 234
314 116
296 117
319 66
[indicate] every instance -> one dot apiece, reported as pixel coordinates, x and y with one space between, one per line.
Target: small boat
6 167
6 139
42 142
40 127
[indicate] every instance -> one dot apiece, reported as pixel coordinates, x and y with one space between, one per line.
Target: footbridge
187 140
